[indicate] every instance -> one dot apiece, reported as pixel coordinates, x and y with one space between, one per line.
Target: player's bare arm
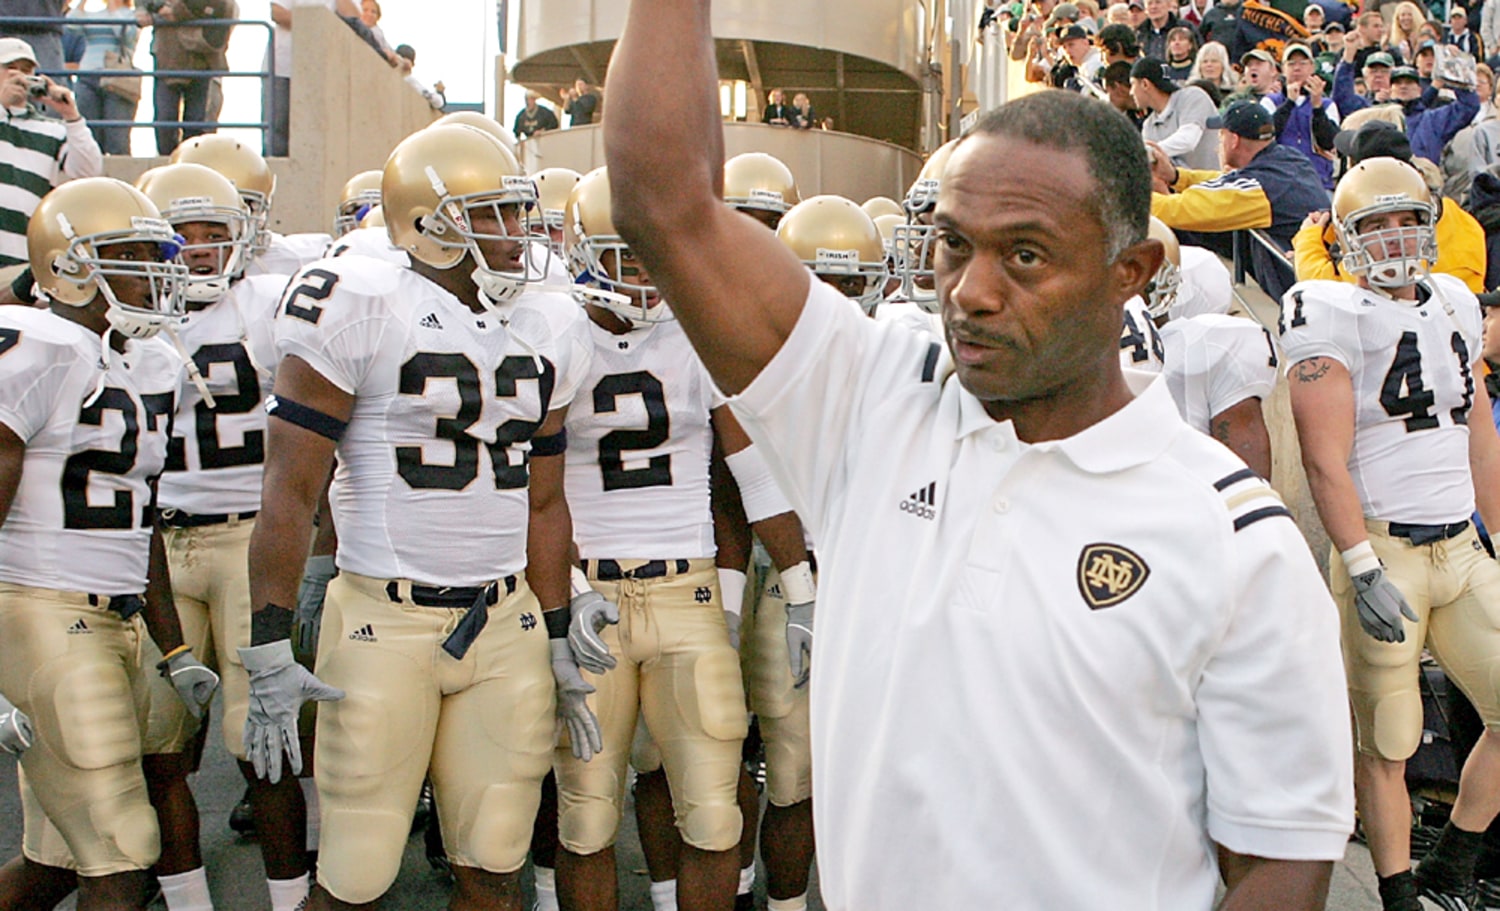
1242 428
1323 408
160 613
12 456
549 537
297 465
781 534
1282 885
728 278
1484 459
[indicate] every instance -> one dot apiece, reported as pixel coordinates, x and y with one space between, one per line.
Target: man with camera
181 43
44 142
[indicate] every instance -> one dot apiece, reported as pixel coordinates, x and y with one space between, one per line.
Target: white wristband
732 587
798 585
578 582
1360 559
758 489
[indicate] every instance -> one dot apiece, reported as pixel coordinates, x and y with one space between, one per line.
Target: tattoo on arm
1220 430
1311 370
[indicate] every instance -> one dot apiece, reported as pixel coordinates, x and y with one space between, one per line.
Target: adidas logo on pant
365 633
922 503
79 627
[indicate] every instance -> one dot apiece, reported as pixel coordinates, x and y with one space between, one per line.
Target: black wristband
270 623
556 444
557 621
23 287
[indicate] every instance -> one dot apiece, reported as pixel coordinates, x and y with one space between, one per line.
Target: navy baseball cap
1375 139
1405 72
1249 119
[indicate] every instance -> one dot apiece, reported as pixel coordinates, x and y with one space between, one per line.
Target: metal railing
268 98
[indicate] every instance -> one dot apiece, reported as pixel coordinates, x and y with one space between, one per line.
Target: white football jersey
218 453
289 252
912 317
1214 362
431 483
1206 285
372 242
81 519
1140 343
639 440
1412 365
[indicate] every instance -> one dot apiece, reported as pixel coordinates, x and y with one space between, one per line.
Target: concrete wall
822 161
888 31
349 109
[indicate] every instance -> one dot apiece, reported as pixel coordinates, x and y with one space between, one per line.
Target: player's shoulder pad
560 309
257 294
352 275
1450 289
155 357
1321 293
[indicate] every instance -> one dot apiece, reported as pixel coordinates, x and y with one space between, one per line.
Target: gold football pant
482 727
781 708
1454 588
76 670
677 671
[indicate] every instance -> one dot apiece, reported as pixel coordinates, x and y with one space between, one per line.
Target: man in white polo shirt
1099 667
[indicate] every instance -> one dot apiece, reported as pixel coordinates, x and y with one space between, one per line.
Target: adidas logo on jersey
430 321
79 627
922 503
365 633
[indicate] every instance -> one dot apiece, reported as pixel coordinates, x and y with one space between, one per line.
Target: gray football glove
278 687
799 640
732 623
15 729
315 578
194 682
1381 606
591 613
572 703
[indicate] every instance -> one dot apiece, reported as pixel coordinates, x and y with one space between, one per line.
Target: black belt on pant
176 518
610 571
475 601
125 606
1427 534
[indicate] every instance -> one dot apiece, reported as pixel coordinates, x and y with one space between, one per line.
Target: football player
207 502
913 240
1382 386
88 398
553 187
761 186
639 442
443 388
1219 368
360 194
275 254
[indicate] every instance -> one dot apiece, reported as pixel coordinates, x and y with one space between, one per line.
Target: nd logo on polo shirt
1109 573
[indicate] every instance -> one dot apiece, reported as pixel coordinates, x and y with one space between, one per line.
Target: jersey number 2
657 472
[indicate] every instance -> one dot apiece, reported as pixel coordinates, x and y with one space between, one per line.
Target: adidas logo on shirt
79 627
922 503
430 321
365 633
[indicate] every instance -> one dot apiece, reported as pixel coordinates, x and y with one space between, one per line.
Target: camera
36 86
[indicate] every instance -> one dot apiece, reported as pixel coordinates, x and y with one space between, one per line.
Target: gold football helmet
553 187
374 218
886 225
193 193
841 245
1161 294
245 168
601 262
877 206
360 194
1390 257
480 122
757 181
914 240
435 181
68 241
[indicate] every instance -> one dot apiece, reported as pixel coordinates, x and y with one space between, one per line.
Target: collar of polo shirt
1114 444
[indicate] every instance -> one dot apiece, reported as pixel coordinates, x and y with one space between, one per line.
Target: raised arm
734 288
